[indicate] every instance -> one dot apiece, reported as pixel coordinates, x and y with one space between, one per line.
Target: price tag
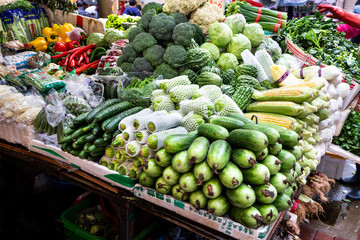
219 3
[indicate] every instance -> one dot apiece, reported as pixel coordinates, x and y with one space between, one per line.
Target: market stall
189 111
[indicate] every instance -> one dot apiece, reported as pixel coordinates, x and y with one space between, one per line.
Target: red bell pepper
59 47
71 45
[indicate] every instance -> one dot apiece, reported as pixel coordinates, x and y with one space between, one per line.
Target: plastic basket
73 231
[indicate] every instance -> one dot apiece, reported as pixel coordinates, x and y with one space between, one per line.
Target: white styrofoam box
332 165
49 151
221 224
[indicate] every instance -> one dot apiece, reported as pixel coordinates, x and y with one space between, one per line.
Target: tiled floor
341 219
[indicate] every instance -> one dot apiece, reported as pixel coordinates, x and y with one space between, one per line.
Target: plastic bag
42 81
55 110
39 60
75 34
19 60
288 61
272 47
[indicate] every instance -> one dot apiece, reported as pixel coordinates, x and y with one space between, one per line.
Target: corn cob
280 107
283 121
297 95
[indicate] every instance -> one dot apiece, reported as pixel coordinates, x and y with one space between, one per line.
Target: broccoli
146 19
141 65
126 66
152 5
134 32
129 54
162 26
181 69
198 34
182 34
143 41
179 17
155 55
175 56
166 71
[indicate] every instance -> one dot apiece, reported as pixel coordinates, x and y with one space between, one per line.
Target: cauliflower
207 15
171 6
188 6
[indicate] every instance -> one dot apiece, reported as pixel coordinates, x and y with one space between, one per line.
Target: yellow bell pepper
62 30
40 44
50 34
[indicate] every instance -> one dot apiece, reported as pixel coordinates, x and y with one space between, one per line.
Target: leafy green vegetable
349 138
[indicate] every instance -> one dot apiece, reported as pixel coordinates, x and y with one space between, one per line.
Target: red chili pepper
69 69
87 66
71 45
60 47
86 57
66 62
81 58
73 50
81 50
82 64
59 63
88 52
72 63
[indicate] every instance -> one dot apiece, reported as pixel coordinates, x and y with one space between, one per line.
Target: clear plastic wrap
272 47
55 110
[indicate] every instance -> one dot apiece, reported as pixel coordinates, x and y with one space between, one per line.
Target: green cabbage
238 44
220 34
227 61
96 38
113 35
213 49
236 22
272 47
126 33
255 33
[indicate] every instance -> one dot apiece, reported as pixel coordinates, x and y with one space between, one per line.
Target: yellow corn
277 103
289 91
305 84
274 119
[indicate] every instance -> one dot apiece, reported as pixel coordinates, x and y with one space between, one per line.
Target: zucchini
80 120
77 146
100 142
287 160
105 123
198 150
213 132
78 133
68 131
117 132
75 152
112 111
250 139
94 159
94 148
227 122
81 140
83 154
89 128
275 149
218 155
69 148
97 154
113 124
91 138
67 139
107 136
86 146
64 146
91 116
271 133
241 118
97 130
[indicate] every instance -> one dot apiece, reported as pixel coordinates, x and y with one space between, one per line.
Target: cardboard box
221 224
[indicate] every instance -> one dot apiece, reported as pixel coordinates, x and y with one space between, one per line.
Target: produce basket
309 60
73 231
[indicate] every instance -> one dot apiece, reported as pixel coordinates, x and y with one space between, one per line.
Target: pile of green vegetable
116 22
321 39
229 165
349 136
159 44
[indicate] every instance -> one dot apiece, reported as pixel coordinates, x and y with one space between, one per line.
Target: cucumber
107 136
64 146
81 140
262 154
94 148
80 120
250 139
98 153
296 151
198 150
68 131
244 158
218 155
105 123
179 142
89 128
275 149
83 154
213 132
91 138
67 139
272 134
78 133
69 148
97 130
91 116
289 138
113 123
86 146
94 159
100 142
287 160
227 122
75 152
112 110
117 132
241 118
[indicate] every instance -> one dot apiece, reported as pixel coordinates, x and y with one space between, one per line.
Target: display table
124 199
